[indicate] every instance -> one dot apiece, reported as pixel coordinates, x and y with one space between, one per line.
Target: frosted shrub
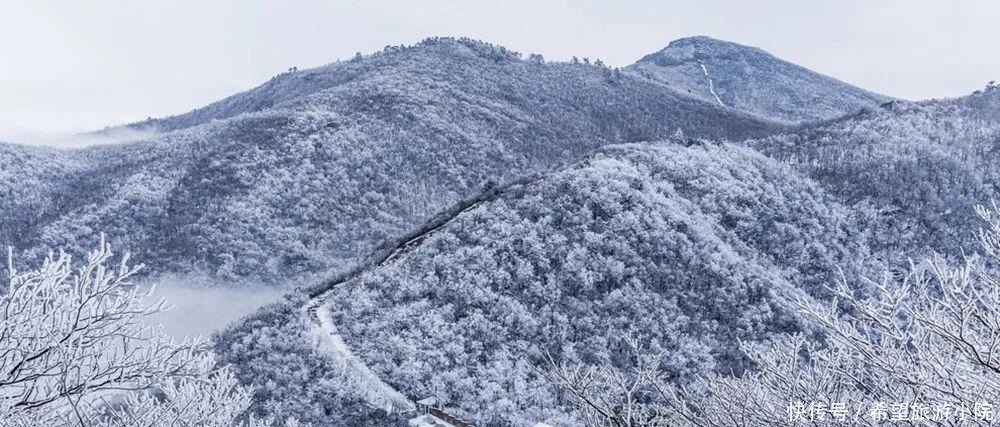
76 348
923 349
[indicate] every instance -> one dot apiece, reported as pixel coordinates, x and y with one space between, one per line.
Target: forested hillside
29 179
690 247
317 166
912 171
752 80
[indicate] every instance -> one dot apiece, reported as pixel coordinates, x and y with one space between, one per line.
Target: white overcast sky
74 66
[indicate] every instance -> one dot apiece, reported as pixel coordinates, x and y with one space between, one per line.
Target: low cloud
200 308
77 140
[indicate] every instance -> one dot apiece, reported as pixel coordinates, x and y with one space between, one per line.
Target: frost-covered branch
931 338
608 396
66 335
77 348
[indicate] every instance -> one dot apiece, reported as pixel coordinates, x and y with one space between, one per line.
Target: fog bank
197 309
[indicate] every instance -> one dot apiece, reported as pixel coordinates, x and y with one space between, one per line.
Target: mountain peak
752 80
706 41
701 48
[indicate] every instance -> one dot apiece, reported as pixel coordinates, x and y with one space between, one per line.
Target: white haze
198 309
77 140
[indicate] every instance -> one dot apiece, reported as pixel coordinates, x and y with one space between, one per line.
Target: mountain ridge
319 175
288 87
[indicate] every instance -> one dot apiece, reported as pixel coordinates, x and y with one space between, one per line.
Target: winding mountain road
366 382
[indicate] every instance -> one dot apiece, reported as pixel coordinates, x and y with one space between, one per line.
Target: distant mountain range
751 80
315 167
338 158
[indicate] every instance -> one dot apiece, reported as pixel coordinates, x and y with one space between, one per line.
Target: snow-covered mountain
689 244
491 209
752 80
690 247
317 167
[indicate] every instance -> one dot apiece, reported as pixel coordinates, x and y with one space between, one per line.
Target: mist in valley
198 308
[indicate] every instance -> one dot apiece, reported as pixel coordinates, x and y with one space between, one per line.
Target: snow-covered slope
30 180
752 80
914 170
688 244
422 61
316 167
690 247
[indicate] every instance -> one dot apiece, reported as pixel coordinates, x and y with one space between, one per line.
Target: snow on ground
359 376
428 420
711 84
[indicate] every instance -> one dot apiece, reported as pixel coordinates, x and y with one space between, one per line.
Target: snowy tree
214 400
606 396
929 339
76 348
